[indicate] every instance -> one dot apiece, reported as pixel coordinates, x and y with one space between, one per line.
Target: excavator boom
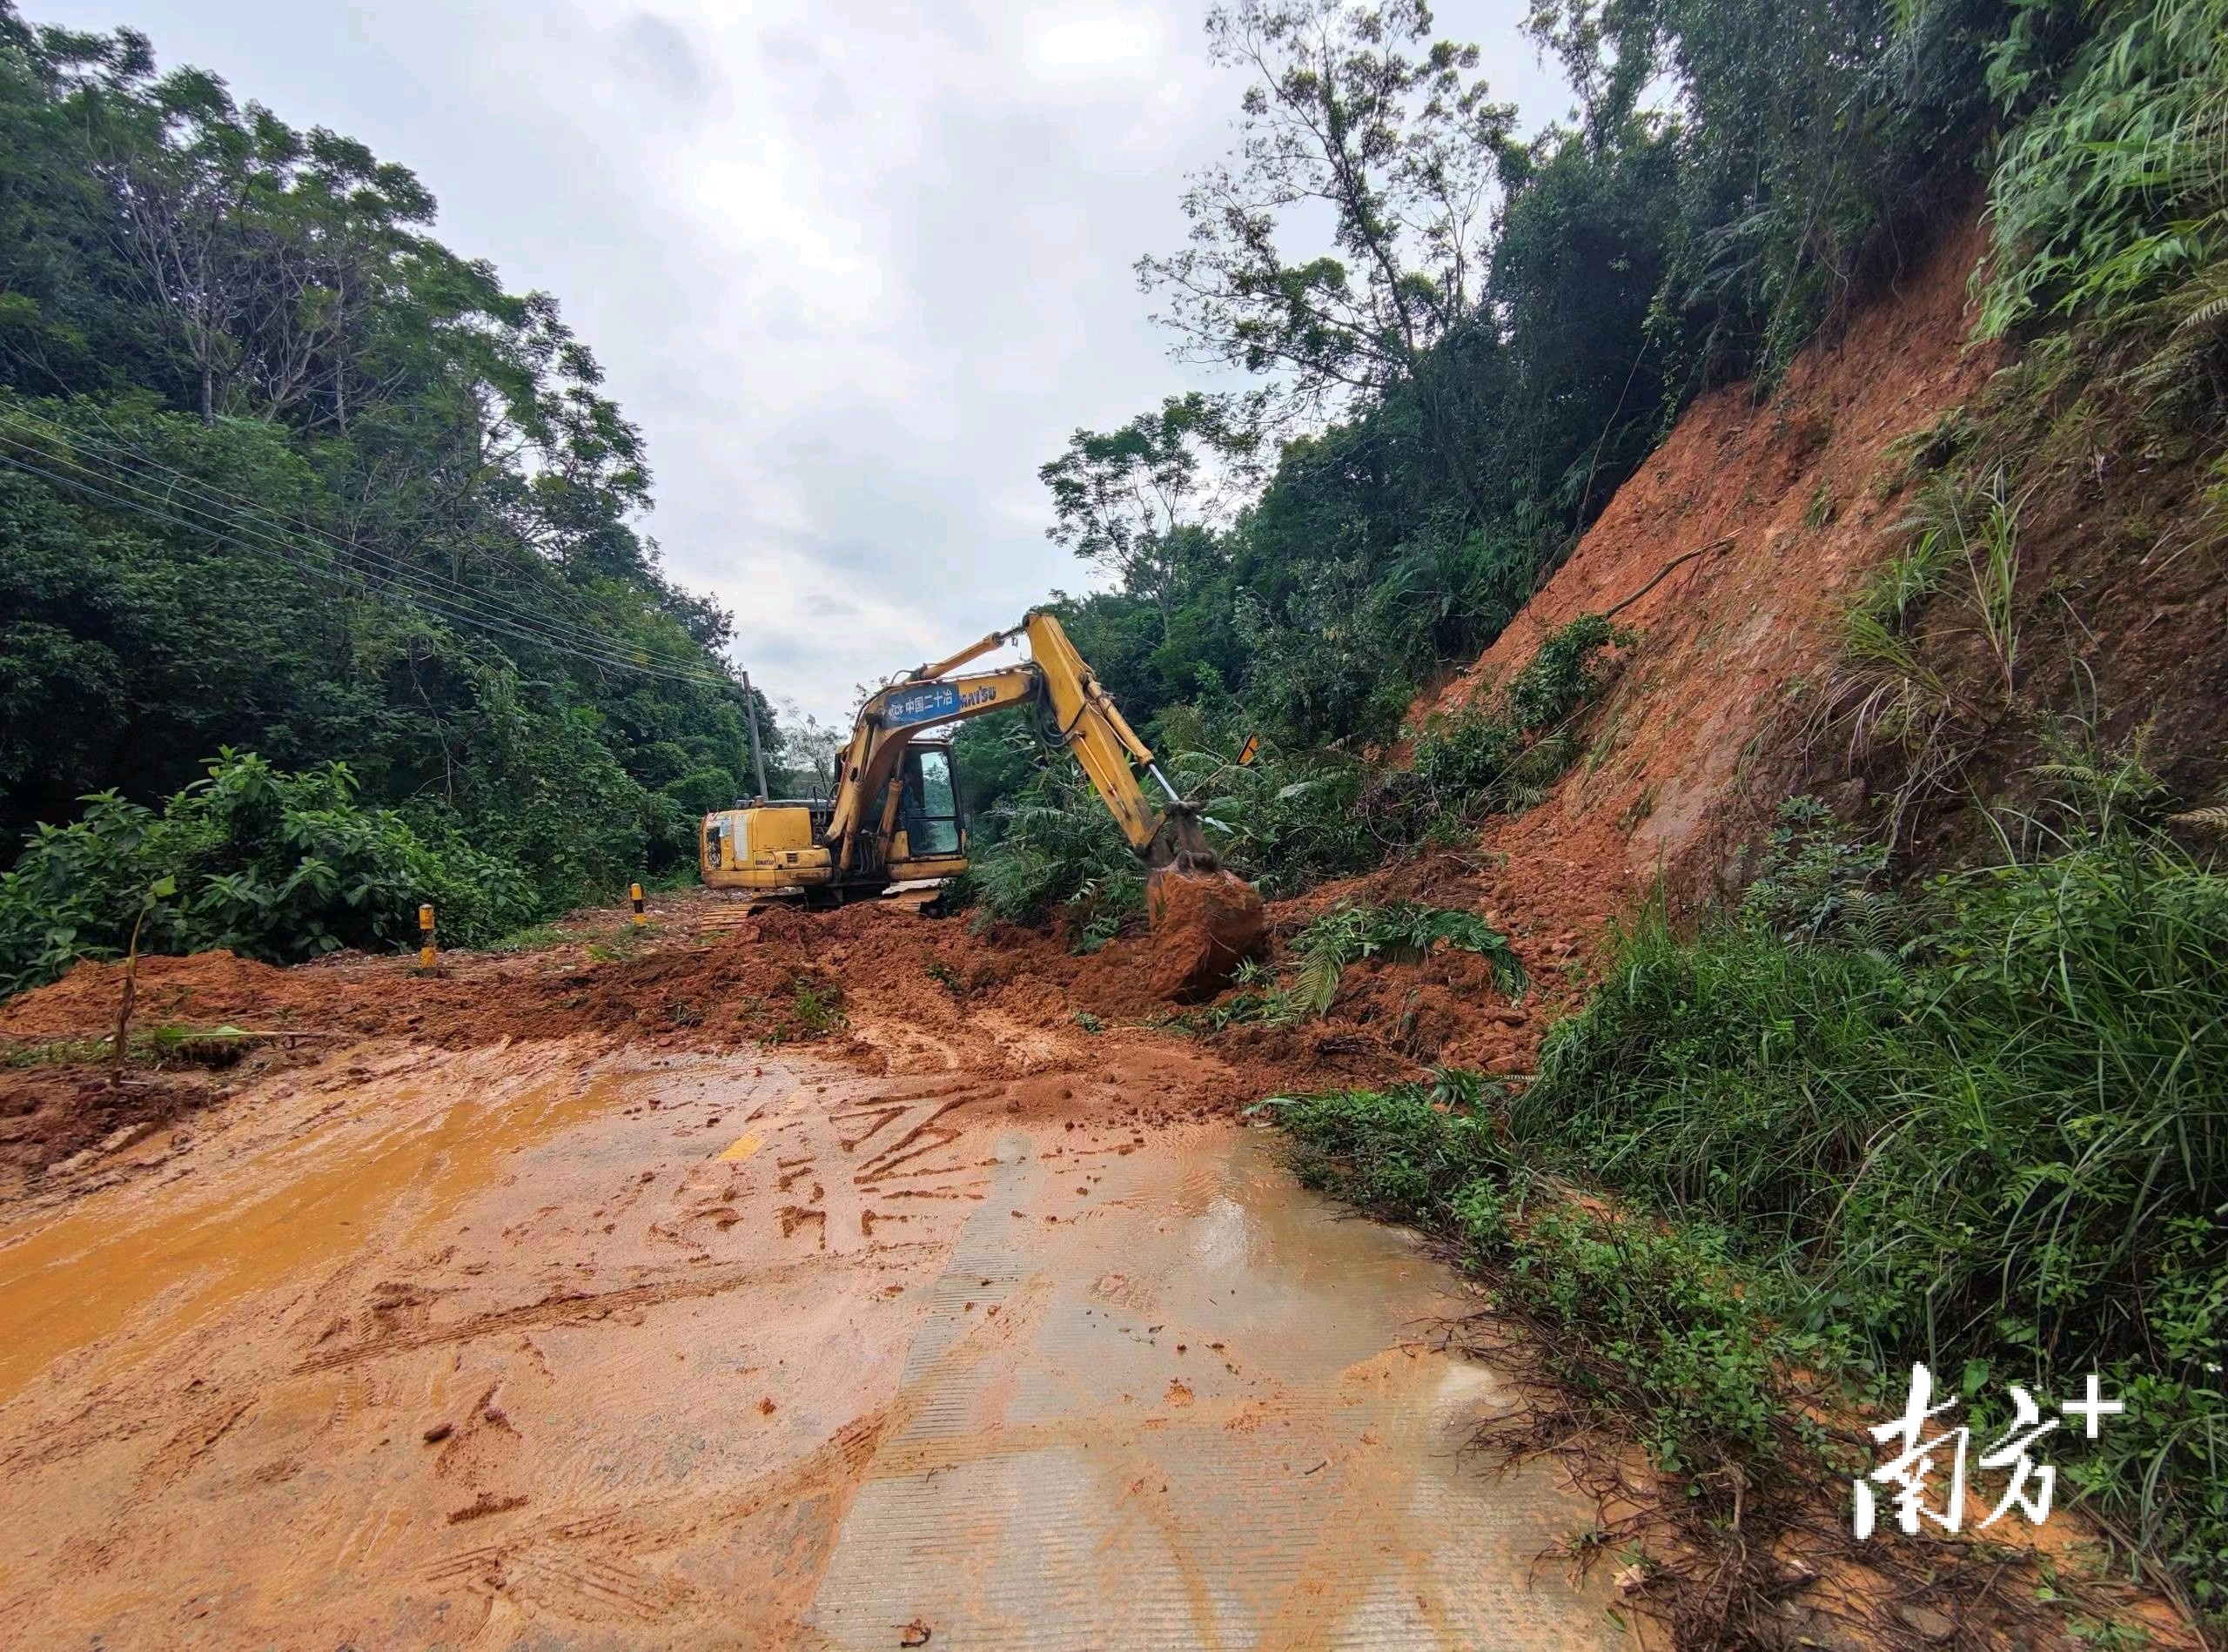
879 829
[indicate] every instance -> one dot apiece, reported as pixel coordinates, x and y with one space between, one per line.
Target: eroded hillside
1784 509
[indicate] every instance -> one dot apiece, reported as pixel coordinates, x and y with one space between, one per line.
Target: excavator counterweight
895 815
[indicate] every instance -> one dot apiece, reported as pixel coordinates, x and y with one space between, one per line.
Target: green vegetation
1630 1328
1981 1125
279 474
273 866
813 1010
1052 846
2111 197
1668 1346
1490 377
1291 818
1504 753
1492 371
2001 1141
165 1046
1400 931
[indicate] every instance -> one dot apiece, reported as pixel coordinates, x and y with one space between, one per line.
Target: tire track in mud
591 1567
585 1307
462 1427
604 1566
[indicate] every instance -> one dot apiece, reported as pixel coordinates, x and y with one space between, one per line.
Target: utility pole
757 757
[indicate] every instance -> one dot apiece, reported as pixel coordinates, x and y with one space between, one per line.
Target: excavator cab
895 816
930 823
776 844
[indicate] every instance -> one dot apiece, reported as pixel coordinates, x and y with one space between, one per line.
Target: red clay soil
1733 643
879 988
1730 647
1203 925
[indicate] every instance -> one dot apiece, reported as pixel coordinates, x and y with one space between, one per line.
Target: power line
492 617
425 582
126 457
457 602
342 581
454 609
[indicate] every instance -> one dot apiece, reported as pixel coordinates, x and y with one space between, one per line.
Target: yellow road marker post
635 893
426 934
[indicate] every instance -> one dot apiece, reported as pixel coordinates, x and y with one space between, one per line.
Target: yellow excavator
895 814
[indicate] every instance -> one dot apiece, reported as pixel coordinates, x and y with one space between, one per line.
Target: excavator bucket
1206 921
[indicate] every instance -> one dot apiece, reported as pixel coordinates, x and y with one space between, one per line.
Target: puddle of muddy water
136 1266
730 1350
1207 1413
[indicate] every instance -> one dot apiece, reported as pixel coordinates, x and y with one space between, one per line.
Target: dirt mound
1203 925
1733 641
880 988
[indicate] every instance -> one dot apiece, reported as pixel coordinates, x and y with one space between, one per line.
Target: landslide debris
1696 744
1203 925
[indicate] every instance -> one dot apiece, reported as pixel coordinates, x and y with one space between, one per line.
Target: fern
1320 969
2119 185
1404 931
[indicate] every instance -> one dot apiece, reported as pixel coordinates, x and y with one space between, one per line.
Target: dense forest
1506 324
316 567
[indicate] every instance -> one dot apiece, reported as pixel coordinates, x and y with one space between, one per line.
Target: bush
1286 820
1405 1153
271 865
2116 189
1506 753
2000 1146
1056 849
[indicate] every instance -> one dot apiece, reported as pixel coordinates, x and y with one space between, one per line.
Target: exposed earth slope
1789 502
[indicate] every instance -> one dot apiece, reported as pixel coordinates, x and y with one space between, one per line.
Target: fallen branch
1664 572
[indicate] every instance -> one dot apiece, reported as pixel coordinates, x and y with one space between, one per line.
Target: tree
280 472
805 754
1134 499
1354 110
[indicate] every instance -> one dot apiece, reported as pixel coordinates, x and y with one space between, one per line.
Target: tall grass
1984 1125
2001 1144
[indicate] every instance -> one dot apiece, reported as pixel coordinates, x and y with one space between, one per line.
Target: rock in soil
1204 924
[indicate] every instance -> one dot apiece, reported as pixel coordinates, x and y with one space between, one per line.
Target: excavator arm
1203 919
1077 710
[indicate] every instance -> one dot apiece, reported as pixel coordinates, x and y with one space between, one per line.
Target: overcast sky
856 267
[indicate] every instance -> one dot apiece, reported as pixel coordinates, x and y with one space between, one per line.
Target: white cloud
1093 44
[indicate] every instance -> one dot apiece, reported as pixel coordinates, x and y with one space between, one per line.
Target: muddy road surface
992 1336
